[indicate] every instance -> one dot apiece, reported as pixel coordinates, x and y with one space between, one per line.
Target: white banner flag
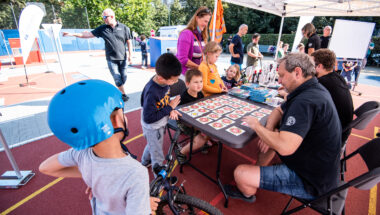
30 21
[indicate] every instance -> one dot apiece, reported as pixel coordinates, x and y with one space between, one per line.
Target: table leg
220 147
191 149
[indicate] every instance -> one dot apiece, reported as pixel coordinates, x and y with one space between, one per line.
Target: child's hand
174 103
224 89
89 192
174 114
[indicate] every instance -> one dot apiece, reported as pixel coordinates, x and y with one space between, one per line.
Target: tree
160 14
176 14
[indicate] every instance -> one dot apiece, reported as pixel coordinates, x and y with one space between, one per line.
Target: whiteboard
350 39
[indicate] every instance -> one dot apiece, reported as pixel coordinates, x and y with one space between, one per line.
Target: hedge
271 39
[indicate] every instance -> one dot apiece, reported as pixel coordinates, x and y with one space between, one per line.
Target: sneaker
124 97
143 67
235 193
180 157
147 164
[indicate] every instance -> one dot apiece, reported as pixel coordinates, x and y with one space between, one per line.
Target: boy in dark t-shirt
194 83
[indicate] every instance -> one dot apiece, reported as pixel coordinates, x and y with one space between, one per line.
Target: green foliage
159 14
176 14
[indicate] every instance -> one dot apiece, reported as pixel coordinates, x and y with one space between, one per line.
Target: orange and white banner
219 27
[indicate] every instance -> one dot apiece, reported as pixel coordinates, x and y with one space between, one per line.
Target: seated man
324 64
307 140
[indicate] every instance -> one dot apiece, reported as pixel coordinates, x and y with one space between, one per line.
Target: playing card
235 100
218 104
219 111
224 97
217 125
208 101
226 121
203 110
247 109
266 111
254 107
185 109
211 107
227 109
243 103
238 112
245 124
194 107
258 115
194 114
236 105
225 102
204 120
214 116
235 130
216 99
202 104
233 116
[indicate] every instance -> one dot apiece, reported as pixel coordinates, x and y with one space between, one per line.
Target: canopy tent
295 8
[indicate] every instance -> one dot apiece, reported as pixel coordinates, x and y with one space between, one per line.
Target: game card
214 116
245 124
225 102
247 109
208 101
216 99
193 106
227 109
218 104
233 116
258 115
217 125
202 104
220 111
224 97
266 111
204 120
194 114
210 107
235 130
203 110
234 105
185 109
254 107
226 121
238 112
243 103
235 100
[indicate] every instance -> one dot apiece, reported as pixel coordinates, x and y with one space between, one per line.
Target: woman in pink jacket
192 40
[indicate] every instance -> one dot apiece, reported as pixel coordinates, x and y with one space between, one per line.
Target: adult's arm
231 47
53 167
185 41
84 34
129 44
310 51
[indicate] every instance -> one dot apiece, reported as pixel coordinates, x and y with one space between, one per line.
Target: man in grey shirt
92 122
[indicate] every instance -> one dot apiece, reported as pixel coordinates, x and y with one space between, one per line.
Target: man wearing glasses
115 35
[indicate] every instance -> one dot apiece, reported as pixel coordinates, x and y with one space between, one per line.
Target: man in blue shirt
236 46
305 132
116 35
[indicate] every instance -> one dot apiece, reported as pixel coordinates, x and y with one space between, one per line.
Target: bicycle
175 199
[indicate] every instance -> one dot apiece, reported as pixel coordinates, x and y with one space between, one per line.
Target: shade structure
295 8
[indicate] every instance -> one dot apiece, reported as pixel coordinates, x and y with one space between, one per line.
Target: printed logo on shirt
290 121
310 44
119 29
164 101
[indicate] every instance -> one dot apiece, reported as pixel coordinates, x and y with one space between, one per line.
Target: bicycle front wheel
185 204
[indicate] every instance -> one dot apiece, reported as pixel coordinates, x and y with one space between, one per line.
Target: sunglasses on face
105 17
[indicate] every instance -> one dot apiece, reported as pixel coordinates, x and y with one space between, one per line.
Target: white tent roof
294 8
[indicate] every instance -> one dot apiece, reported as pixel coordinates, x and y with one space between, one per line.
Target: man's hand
129 60
263 146
174 114
174 103
154 204
251 121
89 192
236 55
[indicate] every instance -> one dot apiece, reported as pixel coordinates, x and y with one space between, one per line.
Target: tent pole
279 37
214 19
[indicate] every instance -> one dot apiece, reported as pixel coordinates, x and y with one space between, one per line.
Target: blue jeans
347 75
144 58
233 63
279 178
118 71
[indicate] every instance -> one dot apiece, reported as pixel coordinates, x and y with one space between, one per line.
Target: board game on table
220 116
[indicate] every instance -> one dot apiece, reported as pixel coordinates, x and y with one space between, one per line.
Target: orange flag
220 26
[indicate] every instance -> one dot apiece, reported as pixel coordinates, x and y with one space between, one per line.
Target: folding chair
364 115
333 201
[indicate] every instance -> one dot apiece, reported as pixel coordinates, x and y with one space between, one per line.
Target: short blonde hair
212 47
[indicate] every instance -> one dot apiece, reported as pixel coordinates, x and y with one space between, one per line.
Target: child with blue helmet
157 107
88 116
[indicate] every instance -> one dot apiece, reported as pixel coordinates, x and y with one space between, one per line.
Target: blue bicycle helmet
79 114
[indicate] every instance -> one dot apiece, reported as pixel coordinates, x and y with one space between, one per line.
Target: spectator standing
253 52
280 50
192 40
115 35
144 53
325 39
313 42
236 46
347 70
301 48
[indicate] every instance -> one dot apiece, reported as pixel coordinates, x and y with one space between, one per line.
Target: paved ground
24 108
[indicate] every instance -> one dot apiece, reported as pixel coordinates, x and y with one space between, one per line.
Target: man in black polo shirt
115 35
236 46
313 42
336 85
307 140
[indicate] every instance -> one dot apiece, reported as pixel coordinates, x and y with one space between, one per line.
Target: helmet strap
126 133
